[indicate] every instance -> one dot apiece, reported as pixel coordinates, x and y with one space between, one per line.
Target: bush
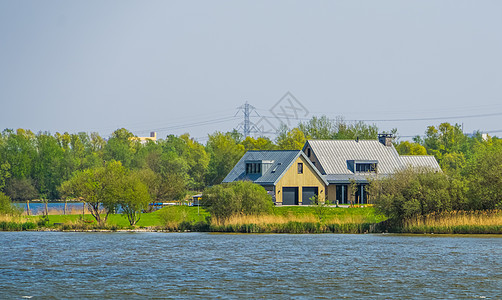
410 193
6 206
240 197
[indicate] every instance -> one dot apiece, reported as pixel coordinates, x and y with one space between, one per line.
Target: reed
291 224
489 221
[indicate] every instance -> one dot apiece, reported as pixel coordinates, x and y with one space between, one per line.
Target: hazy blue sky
184 66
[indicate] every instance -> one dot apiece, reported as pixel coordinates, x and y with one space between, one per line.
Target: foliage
407 148
411 193
236 198
261 143
100 188
293 139
224 153
6 206
134 197
21 189
321 207
484 177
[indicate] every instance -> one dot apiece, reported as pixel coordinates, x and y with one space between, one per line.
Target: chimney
385 139
153 134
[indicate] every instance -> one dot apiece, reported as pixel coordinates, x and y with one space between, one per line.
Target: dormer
363 166
258 166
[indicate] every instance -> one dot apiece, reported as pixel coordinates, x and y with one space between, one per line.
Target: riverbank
290 219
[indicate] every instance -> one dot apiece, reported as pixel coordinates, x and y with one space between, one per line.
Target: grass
456 222
285 219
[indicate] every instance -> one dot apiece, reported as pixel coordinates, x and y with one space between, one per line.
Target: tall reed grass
291 224
489 221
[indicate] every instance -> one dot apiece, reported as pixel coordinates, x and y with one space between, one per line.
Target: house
145 139
288 176
337 170
349 164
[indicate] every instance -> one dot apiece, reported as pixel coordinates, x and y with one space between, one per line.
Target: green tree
293 139
4 174
224 152
6 206
407 148
261 143
242 197
120 147
100 188
484 177
318 128
47 166
21 189
134 198
20 152
411 193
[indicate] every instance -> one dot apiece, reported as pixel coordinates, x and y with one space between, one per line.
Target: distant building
143 140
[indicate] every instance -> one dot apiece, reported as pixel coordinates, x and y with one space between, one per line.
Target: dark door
307 193
341 193
289 196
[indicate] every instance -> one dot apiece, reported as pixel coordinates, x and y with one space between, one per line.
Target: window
300 168
365 167
253 168
308 152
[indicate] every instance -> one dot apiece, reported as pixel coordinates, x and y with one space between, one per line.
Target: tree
416 192
224 152
484 177
407 148
21 189
20 152
236 198
120 147
261 143
6 206
4 174
293 139
47 173
319 128
134 198
100 188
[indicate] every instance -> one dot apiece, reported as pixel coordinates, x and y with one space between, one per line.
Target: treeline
35 165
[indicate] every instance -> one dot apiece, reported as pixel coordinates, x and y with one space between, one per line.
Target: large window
253 168
365 167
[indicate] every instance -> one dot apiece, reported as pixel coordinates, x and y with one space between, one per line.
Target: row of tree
35 165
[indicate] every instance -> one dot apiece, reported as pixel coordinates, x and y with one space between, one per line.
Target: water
37 208
199 265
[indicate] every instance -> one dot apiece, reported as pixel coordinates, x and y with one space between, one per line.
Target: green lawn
178 214
367 213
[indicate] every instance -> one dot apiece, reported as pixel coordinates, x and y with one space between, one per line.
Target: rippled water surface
198 265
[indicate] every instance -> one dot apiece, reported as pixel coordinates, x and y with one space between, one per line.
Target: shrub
6 206
410 193
241 197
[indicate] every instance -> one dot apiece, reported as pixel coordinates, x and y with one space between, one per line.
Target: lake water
37 208
202 265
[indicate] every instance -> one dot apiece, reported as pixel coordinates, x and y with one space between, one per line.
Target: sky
179 67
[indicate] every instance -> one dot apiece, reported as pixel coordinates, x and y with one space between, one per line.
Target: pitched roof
420 161
333 155
281 161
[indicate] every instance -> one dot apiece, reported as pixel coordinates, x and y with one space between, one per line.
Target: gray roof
333 155
281 162
420 161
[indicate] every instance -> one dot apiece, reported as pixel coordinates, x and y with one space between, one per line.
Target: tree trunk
28 207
